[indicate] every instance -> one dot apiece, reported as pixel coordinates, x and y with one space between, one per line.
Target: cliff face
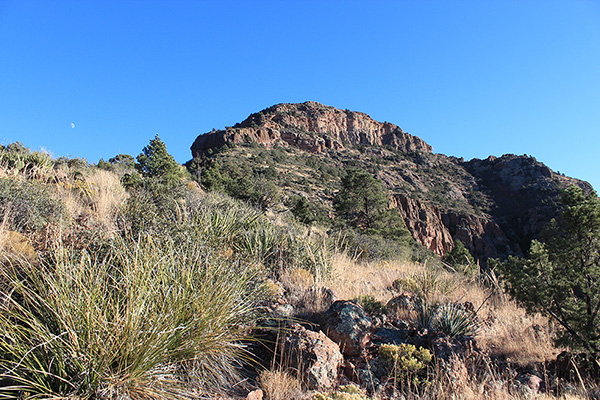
494 206
526 194
312 127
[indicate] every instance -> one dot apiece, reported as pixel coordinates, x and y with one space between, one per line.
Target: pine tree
156 162
361 199
561 276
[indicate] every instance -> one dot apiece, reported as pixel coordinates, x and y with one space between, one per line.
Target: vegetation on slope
152 299
127 280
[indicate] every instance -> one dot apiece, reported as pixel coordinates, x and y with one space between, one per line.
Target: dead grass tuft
351 279
279 385
524 339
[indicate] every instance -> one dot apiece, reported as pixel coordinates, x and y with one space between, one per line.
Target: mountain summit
312 127
292 158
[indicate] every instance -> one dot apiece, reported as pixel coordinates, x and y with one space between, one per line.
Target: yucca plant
224 223
90 326
454 319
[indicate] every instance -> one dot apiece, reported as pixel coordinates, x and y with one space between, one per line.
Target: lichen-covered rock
313 354
403 303
347 324
531 384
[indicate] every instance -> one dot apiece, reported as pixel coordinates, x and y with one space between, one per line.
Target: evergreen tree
156 162
361 199
459 257
362 202
561 276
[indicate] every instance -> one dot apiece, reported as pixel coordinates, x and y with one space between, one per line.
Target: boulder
532 383
444 346
313 354
347 324
403 303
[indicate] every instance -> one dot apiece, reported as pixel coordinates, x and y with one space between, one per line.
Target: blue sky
471 78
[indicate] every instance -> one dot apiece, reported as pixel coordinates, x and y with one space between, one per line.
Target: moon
72 125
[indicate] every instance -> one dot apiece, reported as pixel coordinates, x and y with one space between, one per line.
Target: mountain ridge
495 206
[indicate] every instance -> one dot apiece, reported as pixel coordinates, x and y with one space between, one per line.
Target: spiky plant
454 319
89 325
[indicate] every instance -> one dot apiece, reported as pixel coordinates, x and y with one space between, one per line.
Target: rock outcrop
312 354
347 324
312 127
526 194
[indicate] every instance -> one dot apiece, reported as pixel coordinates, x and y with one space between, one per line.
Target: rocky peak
312 127
494 206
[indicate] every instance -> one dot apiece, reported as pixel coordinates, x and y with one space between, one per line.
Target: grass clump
428 284
279 385
88 323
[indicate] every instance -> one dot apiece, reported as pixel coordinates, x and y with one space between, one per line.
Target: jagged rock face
312 127
437 231
480 234
424 223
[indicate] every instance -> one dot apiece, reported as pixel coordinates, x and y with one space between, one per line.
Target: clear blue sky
472 78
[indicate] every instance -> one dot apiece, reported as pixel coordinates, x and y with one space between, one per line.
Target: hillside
297 153
127 280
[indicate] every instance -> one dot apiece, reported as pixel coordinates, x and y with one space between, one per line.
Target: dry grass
351 279
297 278
97 197
507 330
524 339
279 385
109 196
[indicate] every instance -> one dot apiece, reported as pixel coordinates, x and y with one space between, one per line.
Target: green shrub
17 159
241 181
405 361
29 205
460 259
153 209
370 305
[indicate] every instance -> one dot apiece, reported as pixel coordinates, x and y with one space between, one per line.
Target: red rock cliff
312 127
